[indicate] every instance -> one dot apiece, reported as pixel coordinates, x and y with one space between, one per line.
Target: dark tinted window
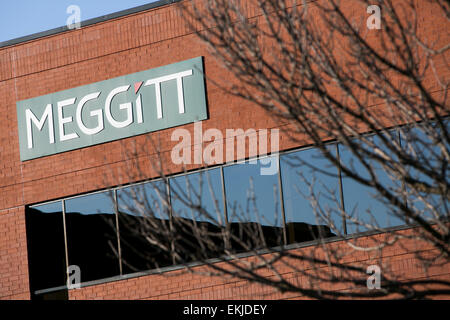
143 226
198 214
46 253
306 173
91 235
253 205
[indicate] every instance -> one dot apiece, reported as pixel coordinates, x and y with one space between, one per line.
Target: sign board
113 109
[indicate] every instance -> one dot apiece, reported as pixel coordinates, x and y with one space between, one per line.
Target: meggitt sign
113 109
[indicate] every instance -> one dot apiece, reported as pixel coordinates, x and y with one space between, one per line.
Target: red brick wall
13 255
94 53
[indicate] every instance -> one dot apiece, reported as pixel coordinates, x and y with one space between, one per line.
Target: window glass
91 235
200 189
368 210
425 197
198 214
253 204
311 195
46 250
143 226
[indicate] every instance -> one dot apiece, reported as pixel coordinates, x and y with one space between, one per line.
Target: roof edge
88 22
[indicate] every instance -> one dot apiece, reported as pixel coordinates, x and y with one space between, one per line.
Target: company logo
113 109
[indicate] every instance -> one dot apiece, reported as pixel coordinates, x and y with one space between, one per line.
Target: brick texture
98 52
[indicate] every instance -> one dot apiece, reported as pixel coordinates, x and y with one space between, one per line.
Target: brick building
43 228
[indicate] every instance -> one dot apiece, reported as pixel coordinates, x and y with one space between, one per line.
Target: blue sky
23 17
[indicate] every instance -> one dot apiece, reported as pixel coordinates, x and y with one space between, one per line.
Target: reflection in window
143 226
198 215
306 175
91 235
363 203
425 143
198 190
46 250
253 205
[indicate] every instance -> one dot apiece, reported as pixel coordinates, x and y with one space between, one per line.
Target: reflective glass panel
91 235
253 204
425 143
197 208
143 226
368 210
311 195
197 190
